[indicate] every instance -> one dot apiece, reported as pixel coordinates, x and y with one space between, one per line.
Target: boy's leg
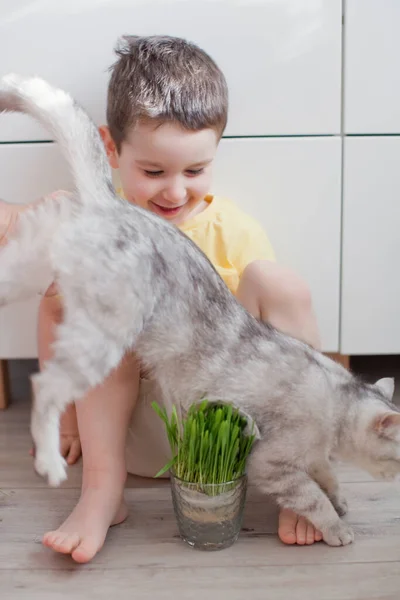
103 417
275 294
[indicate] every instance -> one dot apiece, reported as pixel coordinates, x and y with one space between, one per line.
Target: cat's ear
386 386
388 425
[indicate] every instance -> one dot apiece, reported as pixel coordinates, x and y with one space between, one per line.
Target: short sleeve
252 244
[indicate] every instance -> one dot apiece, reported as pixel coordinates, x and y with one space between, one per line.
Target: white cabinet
292 186
371 246
27 171
282 59
371 60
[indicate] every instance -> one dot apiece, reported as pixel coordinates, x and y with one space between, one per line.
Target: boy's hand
70 444
8 219
9 214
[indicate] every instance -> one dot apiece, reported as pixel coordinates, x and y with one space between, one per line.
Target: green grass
209 446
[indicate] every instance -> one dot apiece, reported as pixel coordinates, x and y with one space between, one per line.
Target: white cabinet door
27 171
293 187
372 74
371 246
282 59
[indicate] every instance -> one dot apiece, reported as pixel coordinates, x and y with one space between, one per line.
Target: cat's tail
71 127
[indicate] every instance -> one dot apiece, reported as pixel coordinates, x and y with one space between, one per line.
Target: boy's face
165 169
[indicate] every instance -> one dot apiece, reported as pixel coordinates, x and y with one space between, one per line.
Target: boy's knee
278 288
293 292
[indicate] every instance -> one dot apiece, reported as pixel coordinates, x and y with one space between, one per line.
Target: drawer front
282 59
372 75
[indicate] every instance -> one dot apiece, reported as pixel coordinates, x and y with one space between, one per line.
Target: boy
167 110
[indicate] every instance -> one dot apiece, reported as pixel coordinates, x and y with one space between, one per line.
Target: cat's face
377 436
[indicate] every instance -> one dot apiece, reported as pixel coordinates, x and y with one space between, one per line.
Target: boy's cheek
139 192
202 186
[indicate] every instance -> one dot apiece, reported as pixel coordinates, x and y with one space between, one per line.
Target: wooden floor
145 559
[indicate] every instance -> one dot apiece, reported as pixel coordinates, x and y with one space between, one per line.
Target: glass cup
209 515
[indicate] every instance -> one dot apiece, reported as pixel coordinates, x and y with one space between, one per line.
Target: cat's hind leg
83 357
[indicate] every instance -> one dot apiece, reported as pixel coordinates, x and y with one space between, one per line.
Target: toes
310 535
82 551
287 526
52 538
62 542
85 551
318 536
297 530
67 544
301 531
48 538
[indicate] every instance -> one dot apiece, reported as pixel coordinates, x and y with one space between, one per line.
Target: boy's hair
164 78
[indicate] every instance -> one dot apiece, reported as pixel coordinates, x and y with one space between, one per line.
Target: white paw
339 534
54 468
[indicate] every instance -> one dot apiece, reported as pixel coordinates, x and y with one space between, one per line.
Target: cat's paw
340 505
338 534
53 467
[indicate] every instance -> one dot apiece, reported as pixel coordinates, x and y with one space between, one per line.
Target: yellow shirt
229 237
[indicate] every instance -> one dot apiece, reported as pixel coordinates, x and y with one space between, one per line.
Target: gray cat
131 280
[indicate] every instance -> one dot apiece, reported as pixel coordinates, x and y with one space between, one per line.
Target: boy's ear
110 146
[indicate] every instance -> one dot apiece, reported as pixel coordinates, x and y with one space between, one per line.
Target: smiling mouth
167 211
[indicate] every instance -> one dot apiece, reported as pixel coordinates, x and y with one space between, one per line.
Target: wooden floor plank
379 581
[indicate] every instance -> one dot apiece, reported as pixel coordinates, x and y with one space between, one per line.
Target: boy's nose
175 194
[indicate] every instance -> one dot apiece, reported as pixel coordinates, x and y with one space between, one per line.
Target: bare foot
296 530
82 535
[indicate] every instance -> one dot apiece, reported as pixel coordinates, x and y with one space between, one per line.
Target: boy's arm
8 218
9 213
252 244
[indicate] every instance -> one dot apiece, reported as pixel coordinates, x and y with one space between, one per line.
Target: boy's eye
195 171
154 173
